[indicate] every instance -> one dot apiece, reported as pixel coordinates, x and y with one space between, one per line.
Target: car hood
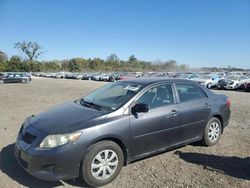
65 118
230 81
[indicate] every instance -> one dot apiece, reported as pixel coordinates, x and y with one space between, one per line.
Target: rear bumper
226 123
226 118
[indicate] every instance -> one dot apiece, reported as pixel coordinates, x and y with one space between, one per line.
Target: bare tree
31 49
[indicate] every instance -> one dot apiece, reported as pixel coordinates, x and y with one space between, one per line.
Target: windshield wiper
90 104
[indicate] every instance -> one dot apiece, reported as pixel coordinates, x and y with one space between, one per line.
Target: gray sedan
121 122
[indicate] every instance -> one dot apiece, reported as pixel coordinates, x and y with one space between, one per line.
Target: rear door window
189 92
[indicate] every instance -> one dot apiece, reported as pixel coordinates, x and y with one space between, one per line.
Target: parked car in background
127 76
26 75
88 76
96 76
113 77
101 77
236 82
247 86
188 76
117 124
222 74
150 74
2 75
234 73
221 84
15 78
60 75
155 74
208 80
75 76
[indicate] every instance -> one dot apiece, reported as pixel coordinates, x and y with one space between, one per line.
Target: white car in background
234 73
236 81
101 77
208 80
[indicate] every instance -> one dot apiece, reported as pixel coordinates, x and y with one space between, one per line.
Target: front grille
28 138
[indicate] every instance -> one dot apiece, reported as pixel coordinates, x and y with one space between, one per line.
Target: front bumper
62 162
229 87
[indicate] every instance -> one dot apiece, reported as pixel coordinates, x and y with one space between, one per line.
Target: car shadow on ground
232 166
76 182
10 167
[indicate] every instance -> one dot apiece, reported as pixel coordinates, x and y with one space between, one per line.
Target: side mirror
140 107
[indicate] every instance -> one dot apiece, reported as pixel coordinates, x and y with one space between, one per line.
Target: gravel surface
226 164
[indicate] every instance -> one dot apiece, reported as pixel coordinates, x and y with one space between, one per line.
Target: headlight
52 141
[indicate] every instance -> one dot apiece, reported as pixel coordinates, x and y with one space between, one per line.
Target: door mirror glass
140 107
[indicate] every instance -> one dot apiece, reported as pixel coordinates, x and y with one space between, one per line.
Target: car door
17 78
159 127
194 109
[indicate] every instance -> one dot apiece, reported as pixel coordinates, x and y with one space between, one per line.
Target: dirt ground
226 164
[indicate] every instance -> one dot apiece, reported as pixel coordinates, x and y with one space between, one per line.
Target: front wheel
102 163
212 132
209 85
237 86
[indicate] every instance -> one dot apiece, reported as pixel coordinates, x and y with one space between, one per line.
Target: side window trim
201 90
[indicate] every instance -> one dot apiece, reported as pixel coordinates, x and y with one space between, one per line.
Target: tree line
32 50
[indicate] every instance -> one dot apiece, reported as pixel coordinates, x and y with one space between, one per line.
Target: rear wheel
102 163
212 132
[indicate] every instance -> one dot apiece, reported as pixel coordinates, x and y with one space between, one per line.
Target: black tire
207 139
237 87
92 152
111 79
209 85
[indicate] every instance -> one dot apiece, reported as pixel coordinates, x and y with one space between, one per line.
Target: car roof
151 80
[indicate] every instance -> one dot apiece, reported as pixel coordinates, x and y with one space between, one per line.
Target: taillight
228 102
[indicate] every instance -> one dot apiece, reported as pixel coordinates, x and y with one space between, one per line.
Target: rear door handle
206 105
173 113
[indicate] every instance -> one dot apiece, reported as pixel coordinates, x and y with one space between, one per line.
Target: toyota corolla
121 122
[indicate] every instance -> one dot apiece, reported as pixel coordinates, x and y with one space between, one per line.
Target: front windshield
114 95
